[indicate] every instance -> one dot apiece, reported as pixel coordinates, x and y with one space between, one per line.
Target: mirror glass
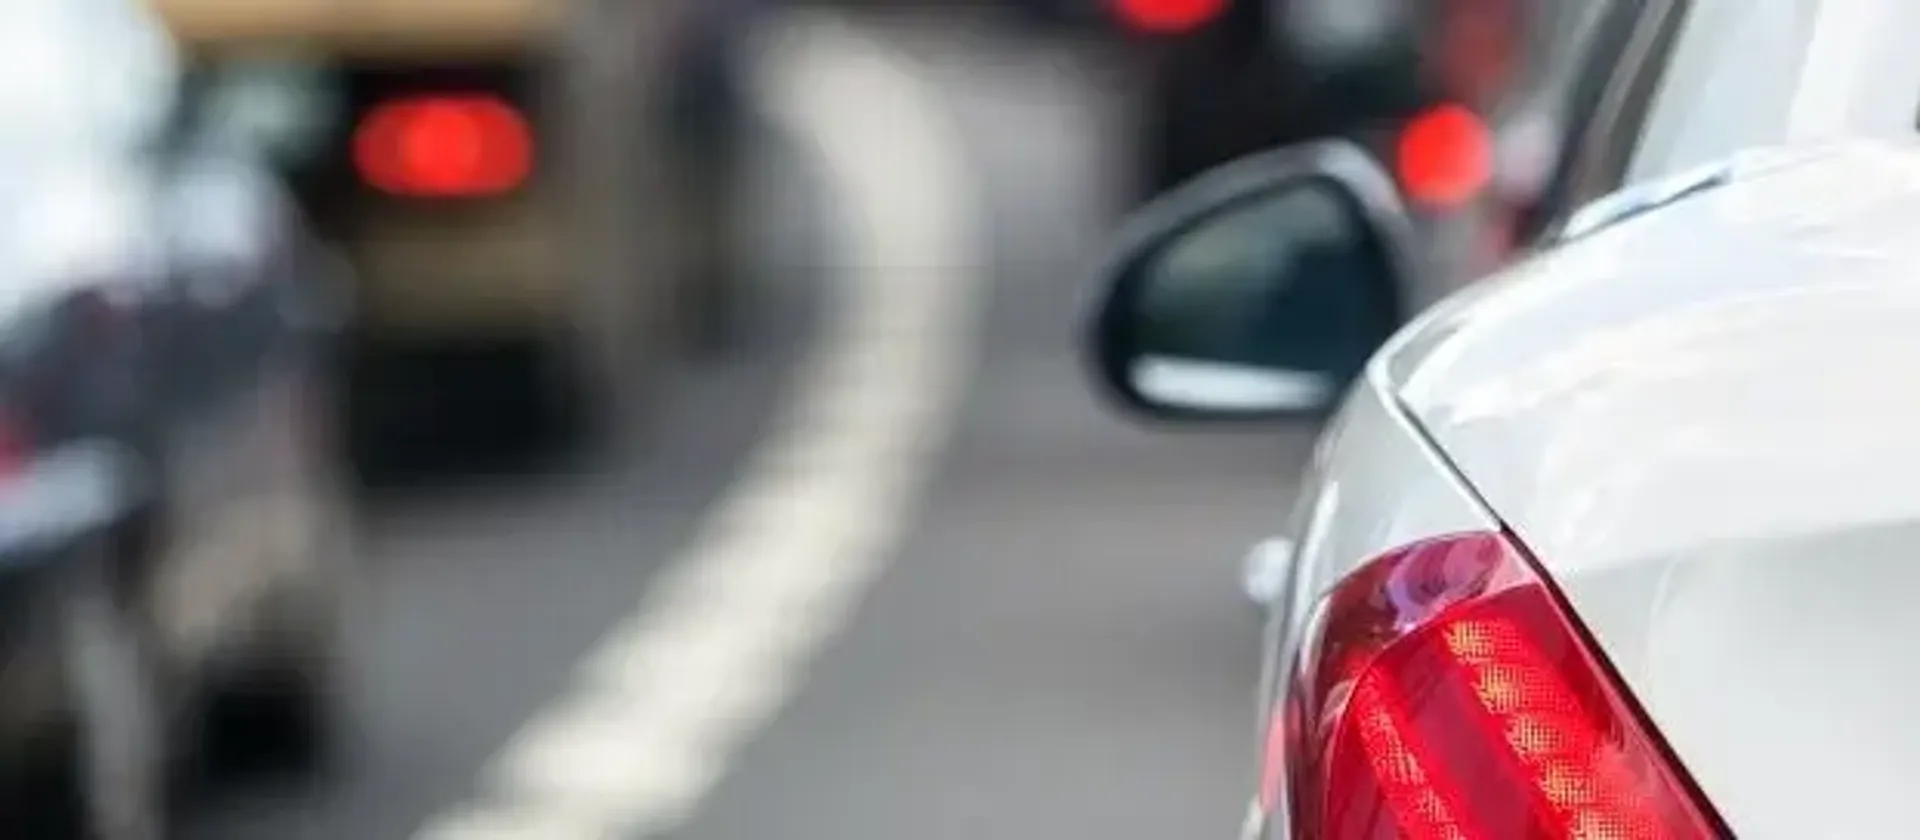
1269 304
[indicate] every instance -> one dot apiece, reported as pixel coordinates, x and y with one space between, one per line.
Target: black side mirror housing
1257 291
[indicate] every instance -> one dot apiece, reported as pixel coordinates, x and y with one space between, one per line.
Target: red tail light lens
1167 17
1445 156
444 147
1448 694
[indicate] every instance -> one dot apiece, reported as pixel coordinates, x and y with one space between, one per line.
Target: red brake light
1445 156
444 147
1447 693
1168 17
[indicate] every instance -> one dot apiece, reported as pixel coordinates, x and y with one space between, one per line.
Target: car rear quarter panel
1372 484
1696 420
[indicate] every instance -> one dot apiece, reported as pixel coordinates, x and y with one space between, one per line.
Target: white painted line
727 630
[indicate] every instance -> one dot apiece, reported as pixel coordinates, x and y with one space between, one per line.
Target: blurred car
1613 544
1206 83
1227 78
492 172
172 553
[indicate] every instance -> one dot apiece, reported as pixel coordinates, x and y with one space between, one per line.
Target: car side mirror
1257 291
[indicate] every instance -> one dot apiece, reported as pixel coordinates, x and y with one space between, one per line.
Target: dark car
495 173
172 557
1472 105
1205 83
1223 79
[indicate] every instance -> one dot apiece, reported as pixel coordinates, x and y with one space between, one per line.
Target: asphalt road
1054 644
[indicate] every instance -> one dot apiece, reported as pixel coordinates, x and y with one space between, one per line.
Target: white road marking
726 631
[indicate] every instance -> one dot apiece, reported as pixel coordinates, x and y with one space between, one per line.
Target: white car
1616 544
1656 94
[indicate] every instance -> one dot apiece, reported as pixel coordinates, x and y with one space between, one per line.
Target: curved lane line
727 630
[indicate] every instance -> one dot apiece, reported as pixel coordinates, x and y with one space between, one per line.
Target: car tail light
1444 156
1447 692
1168 17
444 146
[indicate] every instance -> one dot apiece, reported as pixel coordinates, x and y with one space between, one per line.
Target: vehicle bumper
499 271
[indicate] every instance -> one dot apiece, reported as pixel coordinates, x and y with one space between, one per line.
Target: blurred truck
490 170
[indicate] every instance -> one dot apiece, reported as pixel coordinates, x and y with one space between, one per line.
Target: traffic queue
1539 268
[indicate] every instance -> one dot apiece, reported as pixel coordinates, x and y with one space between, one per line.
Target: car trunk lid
1692 418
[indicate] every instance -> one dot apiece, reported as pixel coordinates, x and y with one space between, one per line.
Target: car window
1575 104
1733 75
1606 107
1729 85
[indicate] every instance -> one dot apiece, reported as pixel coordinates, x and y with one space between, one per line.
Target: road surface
1028 626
